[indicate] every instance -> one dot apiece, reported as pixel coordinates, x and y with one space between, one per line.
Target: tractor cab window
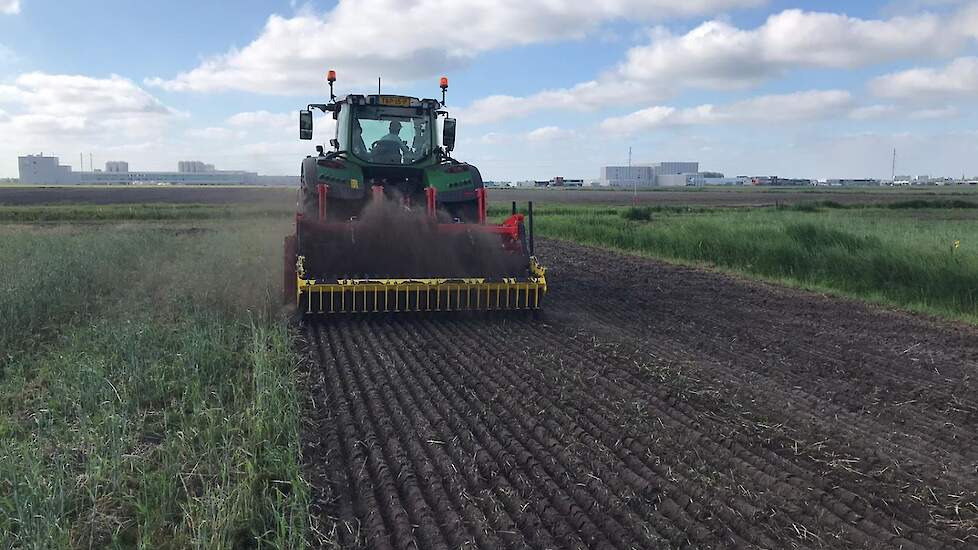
385 135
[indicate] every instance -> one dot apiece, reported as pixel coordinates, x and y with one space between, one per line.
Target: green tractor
388 221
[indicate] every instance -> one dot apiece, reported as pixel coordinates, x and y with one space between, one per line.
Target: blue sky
798 89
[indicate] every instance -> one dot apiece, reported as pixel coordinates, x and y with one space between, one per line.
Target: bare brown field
24 196
15 196
654 406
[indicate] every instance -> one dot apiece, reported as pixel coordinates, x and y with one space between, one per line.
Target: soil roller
387 221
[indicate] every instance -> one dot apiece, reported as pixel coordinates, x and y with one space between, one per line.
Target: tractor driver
393 136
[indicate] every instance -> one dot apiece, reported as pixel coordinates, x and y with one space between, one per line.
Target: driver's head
395 127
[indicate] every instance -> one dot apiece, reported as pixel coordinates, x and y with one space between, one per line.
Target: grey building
42 170
646 175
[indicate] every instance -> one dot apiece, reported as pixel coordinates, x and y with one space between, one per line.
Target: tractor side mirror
448 134
305 124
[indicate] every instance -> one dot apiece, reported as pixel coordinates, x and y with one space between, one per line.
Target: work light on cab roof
388 221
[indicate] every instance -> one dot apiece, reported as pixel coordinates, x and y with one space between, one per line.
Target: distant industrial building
862 182
560 181
780 182
647 175
194 167
42 170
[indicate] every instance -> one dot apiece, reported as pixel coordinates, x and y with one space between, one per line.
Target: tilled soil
653 406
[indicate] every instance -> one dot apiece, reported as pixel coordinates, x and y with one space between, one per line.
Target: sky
540 88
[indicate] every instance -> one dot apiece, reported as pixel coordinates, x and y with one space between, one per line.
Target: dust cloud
391 241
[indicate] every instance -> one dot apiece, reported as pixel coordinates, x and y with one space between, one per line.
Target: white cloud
550 133
264 119
493 138
769 109
48 105
10 7
261 141
931 114
216 133
718 55
404 41
959 78
871 111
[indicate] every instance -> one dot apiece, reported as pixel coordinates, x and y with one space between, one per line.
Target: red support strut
480 194
429 193
323 189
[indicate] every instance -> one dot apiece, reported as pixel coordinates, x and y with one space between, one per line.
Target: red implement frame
480 195
323 190
429 194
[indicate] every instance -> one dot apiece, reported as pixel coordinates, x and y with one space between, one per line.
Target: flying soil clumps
391 241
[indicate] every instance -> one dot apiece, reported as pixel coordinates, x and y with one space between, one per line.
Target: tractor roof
387 100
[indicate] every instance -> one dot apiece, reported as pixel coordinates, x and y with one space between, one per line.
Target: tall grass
147 390
885 255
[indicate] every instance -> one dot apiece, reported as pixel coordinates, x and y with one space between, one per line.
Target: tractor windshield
390 135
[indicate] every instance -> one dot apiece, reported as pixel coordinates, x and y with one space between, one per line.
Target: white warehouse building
646 175
42 170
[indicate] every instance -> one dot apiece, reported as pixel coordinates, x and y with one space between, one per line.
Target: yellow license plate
395 101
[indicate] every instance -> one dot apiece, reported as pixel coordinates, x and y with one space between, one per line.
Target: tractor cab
390 130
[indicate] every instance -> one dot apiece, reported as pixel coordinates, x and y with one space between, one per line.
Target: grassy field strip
147 389
919 257
156 211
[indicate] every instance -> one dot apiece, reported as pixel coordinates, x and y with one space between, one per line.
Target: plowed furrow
736 453
431 438
558 510
543 441
596 426
602 422
420 490
368 518
653 407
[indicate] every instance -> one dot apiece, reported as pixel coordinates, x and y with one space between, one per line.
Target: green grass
897 255
147 388
121 212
